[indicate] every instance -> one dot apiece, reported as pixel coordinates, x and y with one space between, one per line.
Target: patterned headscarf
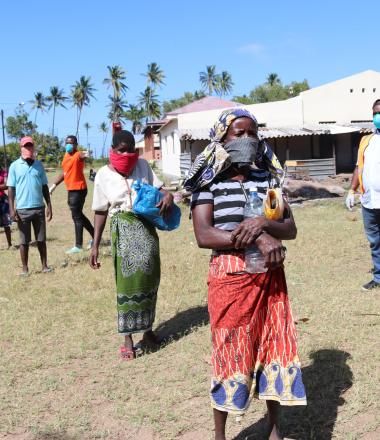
214 159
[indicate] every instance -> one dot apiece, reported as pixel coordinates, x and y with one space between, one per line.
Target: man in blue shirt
27 189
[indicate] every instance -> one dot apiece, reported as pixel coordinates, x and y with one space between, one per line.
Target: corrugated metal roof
195 134
284 132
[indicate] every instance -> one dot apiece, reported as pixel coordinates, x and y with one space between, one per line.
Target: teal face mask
376 120
69 148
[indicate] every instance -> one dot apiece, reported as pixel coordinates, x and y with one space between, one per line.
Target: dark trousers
76 199
371 220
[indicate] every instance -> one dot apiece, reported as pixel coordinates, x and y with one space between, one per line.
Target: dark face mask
242 151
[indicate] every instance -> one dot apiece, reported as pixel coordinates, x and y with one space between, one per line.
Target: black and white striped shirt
228 199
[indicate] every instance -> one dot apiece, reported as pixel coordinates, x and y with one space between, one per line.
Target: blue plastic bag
145 206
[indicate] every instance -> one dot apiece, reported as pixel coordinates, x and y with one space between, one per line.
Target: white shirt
113 192
371 174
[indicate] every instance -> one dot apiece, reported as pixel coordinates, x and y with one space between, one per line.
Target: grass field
61 377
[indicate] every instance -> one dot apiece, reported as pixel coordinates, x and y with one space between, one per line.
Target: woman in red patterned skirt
253 332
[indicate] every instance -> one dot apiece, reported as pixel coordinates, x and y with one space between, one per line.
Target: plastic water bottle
254 259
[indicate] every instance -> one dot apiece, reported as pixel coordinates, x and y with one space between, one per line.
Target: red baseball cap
26 140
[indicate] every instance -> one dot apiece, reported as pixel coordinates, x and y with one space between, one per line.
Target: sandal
127 354
47 270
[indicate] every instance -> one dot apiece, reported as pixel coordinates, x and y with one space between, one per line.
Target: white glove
350 199
52 188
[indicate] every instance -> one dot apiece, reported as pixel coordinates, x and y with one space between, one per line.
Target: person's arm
210 237
4 186
206 234
250 229
83 154
11 199
272 250
49 209
59 179
100 220
355 180
350 199
166 202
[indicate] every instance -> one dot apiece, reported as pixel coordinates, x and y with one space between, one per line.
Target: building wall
171 150
344 146
343 154
344 101
346 151
332 102
156 147
300 147
278 113
348 100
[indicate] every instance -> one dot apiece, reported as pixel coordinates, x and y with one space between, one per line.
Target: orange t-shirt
73 166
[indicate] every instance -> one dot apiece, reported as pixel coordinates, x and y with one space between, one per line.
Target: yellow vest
364 142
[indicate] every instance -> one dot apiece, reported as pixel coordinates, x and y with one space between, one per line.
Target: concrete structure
323 122
152 143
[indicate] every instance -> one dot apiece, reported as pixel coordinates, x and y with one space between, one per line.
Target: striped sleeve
202 197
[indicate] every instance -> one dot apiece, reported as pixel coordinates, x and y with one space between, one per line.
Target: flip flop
47 270
127 354
23 274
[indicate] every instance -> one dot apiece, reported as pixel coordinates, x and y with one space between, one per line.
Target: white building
325 122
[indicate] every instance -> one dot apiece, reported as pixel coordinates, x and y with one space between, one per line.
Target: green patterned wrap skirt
136 257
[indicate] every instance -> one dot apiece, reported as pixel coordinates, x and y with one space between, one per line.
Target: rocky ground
307 189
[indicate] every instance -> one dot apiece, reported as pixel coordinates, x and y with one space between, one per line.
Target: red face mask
123 163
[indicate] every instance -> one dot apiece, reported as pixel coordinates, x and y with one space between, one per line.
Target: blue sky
46 43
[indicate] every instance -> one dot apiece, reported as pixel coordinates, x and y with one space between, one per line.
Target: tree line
147 107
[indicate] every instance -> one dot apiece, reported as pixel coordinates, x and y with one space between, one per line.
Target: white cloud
252 48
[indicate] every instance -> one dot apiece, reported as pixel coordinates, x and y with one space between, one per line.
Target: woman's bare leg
128 342
220 418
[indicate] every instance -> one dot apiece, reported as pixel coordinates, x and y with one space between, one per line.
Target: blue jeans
371 220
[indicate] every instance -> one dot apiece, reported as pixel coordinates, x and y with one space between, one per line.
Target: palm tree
87 126
117 105
135 114
38 103
103 127
199 94
81 93
224 83
57 99
116 76
273 79
209 79
155 76
149 102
